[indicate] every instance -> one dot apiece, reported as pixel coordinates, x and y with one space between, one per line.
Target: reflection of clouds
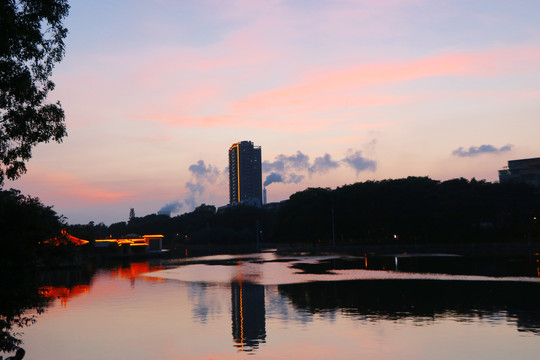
205 305
280 307
330 316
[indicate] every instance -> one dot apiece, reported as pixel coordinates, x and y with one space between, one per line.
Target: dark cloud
194 188
323 164
294 178
268 166
273 178
283 169
359 163
298 161
479 150
172 207
288 168
201 175
204 172
279 178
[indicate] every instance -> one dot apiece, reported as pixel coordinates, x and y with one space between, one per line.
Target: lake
271 306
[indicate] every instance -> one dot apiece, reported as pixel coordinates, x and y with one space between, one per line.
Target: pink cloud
187 102
361 76
197 95
292 124
191 121
158 139
310 100
322 102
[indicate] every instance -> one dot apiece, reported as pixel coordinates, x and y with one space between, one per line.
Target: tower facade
245 173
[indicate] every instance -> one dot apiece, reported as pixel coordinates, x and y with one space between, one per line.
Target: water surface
304 307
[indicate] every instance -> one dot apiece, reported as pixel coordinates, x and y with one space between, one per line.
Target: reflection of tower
248 315
245 175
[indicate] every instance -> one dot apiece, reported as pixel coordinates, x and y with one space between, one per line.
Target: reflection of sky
128 318
204 302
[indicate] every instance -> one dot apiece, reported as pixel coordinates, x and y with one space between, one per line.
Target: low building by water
144 243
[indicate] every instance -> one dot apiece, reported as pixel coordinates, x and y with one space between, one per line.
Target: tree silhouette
25 225
31 42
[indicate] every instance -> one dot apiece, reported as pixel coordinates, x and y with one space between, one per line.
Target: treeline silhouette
203 226
415 210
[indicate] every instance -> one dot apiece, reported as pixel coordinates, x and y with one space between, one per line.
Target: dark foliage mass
412 210
25 223
416 209
20 294
31 42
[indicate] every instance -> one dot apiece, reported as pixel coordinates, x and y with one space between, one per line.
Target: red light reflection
64 293
135 270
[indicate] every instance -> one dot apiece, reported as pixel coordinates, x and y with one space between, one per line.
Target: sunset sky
334 92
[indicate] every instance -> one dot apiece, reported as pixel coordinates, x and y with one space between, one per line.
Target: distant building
245 174
523 170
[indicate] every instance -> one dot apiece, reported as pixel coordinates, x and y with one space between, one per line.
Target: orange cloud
296 116
192 121
58 185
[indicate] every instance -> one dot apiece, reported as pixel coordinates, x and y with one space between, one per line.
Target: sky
335 92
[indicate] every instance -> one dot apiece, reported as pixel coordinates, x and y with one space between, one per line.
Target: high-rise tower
245 173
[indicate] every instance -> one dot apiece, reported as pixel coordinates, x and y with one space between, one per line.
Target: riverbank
83 257
495 249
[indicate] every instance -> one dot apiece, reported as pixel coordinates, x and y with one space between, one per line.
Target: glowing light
142 241
233 146
238 169
241 317
65 239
